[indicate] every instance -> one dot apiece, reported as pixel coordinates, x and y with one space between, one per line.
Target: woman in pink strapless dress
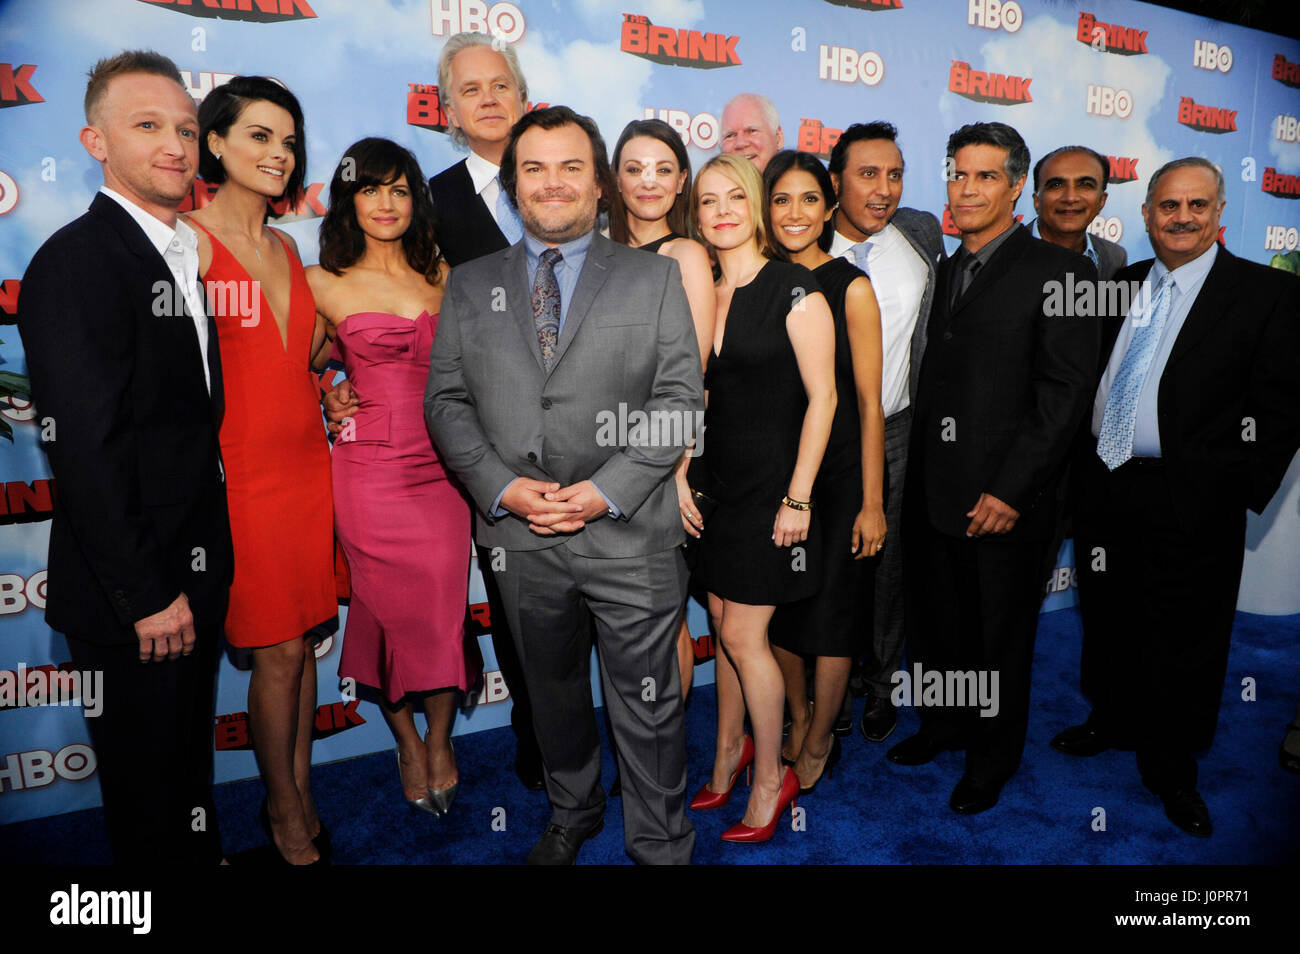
404 526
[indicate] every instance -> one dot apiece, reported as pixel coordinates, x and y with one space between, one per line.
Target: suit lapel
595 270
1211 304
156 270
518 290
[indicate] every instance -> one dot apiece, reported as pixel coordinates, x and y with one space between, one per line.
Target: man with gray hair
1195 419
483 91
752 128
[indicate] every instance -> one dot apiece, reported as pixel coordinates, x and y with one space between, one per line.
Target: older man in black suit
1196 418
124 359
1003 387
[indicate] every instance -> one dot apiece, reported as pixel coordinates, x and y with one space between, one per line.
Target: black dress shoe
1287 759
1082 740
843 727
971 798
559 845
879 719
1186 809
917 750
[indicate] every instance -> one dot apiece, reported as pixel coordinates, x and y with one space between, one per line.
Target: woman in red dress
273 442
404 526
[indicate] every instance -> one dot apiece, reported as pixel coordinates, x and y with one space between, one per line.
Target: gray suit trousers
635 605
886 654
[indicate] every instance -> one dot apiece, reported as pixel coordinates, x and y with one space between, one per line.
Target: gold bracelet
796 504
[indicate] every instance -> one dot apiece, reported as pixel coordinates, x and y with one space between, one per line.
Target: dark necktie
964 278
546 305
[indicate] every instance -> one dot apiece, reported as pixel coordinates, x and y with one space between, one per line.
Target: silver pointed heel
443 797
423 803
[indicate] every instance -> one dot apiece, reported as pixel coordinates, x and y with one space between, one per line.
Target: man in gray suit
900 249
546 357
1069 192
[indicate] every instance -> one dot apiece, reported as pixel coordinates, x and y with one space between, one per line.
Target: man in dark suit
1196 418
901 249
581 517
1069 193
483 91
1002 390
124 359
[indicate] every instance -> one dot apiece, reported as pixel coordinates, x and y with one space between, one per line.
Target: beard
559 225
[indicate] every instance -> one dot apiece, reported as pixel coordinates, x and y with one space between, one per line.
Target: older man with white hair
752 128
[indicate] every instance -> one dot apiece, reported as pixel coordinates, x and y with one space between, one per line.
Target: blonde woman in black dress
771 400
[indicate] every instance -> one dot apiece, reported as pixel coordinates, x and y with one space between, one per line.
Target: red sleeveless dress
276 455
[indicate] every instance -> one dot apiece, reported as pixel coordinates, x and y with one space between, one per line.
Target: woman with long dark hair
650 210
273 445
404 526
833 625
771 400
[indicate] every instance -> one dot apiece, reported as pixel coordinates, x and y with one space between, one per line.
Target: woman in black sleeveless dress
771 400
650 211
834 624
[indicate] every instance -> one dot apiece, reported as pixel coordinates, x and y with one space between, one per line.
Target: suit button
532 456
947 336
546 404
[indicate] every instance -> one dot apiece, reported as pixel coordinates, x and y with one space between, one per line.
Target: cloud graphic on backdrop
1048 52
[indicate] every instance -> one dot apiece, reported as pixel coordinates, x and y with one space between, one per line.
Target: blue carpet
871 812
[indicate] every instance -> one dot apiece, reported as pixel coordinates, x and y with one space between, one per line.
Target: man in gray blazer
900 249
564 384
1069 192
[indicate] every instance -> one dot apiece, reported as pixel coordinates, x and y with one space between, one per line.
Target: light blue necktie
507 218
1115 441
859 253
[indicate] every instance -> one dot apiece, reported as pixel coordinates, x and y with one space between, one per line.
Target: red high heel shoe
744 833
706 798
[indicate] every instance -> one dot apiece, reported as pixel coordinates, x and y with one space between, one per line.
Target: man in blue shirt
536 345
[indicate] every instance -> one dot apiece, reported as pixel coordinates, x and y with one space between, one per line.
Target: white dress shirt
179 248
898 275
487 183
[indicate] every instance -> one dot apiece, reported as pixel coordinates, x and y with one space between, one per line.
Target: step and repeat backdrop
1139 83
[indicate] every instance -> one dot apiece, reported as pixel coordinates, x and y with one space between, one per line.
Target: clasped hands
991 515
550 508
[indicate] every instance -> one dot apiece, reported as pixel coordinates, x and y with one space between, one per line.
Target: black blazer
1236 360
466 229
1002 390
135 453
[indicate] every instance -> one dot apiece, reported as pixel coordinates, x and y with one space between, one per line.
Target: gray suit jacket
1111 256
628 345
922 230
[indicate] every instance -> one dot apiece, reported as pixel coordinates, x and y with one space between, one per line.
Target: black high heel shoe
828 767
321 842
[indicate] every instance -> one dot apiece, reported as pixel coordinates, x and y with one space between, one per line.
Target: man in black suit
1002 390
1196 418
483 91
1069 193
901 249
124 358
